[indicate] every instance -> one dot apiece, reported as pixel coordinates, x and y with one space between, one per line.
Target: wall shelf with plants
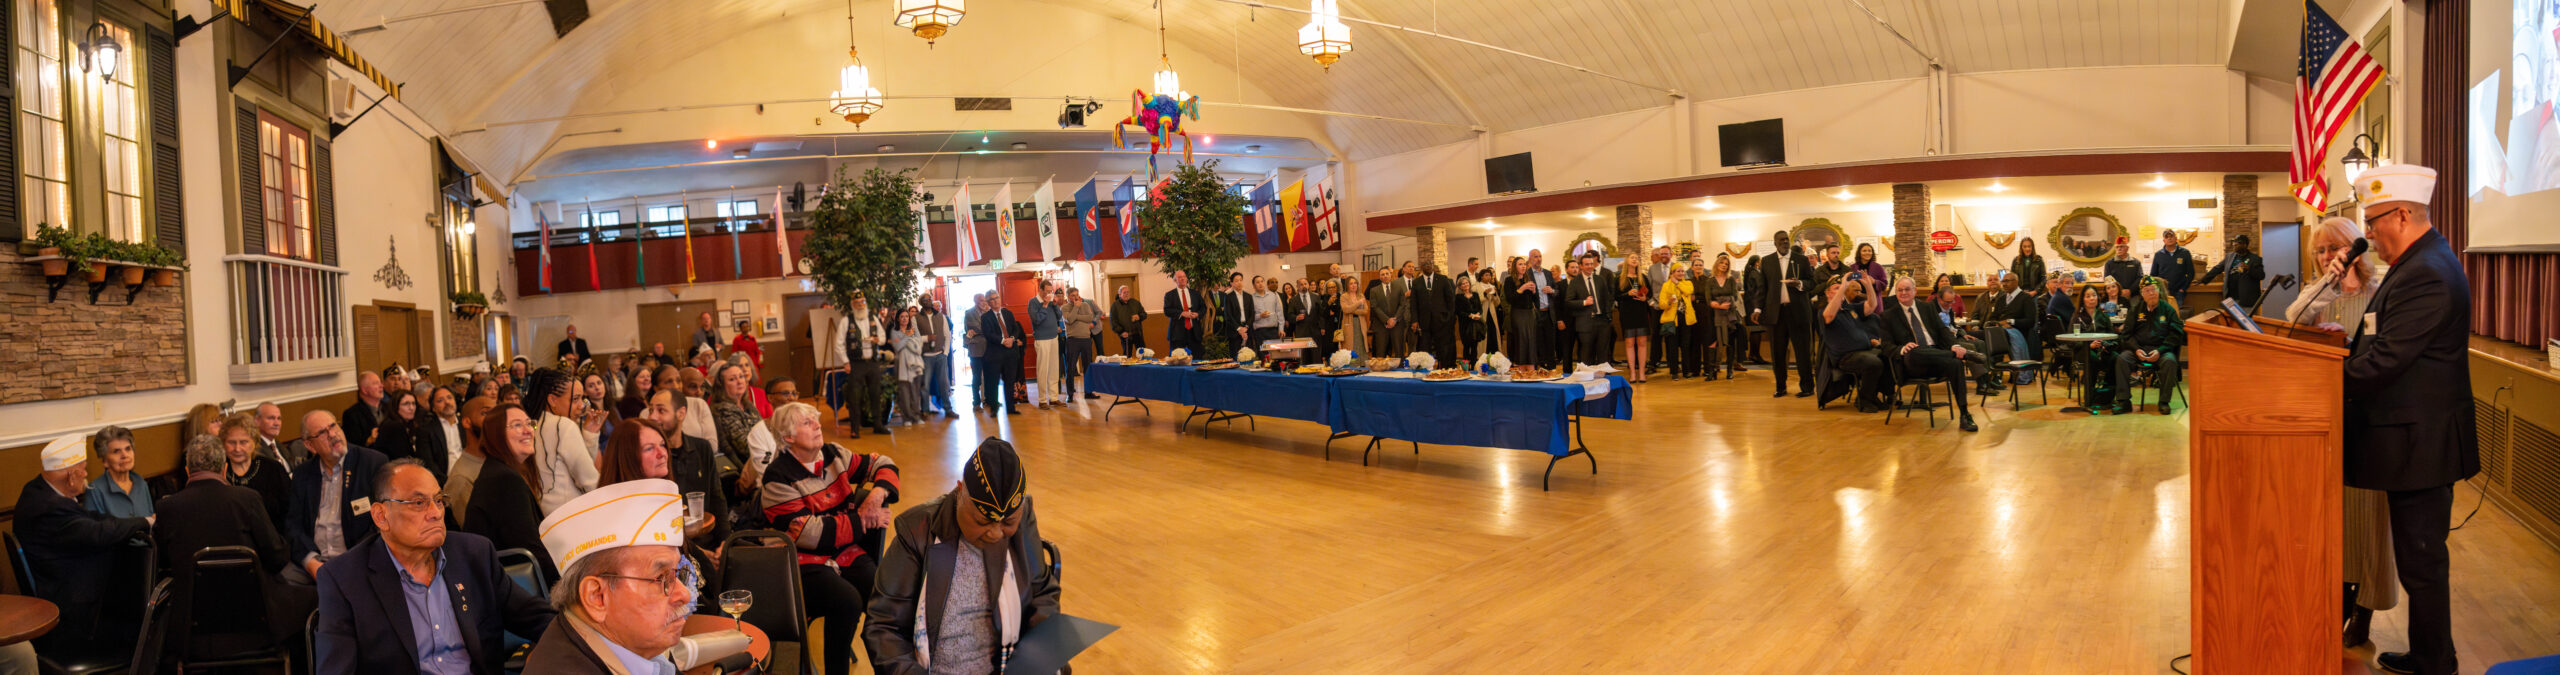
64 255
470 304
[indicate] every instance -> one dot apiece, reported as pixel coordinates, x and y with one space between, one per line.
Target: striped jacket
832 535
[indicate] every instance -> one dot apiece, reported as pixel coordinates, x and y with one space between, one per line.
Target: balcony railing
287 318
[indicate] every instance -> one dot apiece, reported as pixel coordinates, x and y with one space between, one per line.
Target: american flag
2330 80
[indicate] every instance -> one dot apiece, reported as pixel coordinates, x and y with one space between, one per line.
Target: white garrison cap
2396 183
66 452
647 512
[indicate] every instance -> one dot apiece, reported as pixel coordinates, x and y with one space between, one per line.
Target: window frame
299 227
86 144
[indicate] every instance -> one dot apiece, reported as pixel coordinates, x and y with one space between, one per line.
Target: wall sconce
1737 248
2001 239
2187 235
100 53
2357 159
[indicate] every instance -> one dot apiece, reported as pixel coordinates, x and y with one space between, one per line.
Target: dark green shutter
168 212
11 229
324 203
253 205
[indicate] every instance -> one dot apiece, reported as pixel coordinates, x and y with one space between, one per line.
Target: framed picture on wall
739 307
773 325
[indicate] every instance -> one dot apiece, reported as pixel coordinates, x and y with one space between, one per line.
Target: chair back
227 606
1049 549
155 630
18 564
525 570
765 563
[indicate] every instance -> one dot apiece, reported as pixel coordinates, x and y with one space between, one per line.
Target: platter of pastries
1343 372
1318 369
1445 375
1221 364
1387 363
1177 361
1534 374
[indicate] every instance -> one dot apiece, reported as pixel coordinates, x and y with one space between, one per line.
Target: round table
2083 339
24 618
758 647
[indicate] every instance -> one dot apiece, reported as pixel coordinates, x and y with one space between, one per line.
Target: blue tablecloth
1297 397
1156 383
1514 415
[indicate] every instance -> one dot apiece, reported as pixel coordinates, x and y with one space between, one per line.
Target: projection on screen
2514 143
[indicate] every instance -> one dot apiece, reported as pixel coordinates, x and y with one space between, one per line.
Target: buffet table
1537 416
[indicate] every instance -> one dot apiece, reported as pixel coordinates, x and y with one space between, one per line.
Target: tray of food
1444 375
1535 374
1385 363
1343 372
1317 369
1215 366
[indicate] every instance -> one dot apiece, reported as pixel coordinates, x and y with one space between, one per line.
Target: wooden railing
288 318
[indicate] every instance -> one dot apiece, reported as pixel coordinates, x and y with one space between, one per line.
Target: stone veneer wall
1911 228
2240 210
70 348
1431 245
1635 231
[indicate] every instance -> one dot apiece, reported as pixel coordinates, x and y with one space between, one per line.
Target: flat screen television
1750 144
1509 174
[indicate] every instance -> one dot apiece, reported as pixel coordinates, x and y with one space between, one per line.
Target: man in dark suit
2174 264
212 512
1914 334
71 551
1751 295
573 345
2409 413
1434 308
361 418
1391 312
2247 271
270 429
1185 312
332 492
1785 277
1235 313
1533 300
1005 341
419 596
1589 297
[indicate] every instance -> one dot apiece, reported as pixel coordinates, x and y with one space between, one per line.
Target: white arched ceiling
468 69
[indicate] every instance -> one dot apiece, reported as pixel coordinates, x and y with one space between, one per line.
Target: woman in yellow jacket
1679 330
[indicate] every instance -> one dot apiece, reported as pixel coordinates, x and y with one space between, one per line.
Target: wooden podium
2265 475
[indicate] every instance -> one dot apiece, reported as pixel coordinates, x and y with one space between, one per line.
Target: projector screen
2514 138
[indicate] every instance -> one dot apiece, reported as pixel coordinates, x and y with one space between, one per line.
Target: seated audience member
1851 346
2154 335
330 493
502 506
591 389
731 411
636 394
419 599
393 435
699 421
2097 357
626 596
209 512
270 430
835 505
692 463
437 441
120 493
361 418
71 551
204 418
984 524
246 468
640 452
1914 334
565 452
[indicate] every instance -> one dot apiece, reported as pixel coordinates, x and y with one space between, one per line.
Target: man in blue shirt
1850 345
419 599
2174 265
1046 324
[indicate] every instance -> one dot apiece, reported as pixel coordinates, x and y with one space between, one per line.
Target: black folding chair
155 630
78 659
526 571
765 562
227 624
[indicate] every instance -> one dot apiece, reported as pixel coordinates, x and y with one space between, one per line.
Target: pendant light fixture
854 96
1168 83
930 19
1324 37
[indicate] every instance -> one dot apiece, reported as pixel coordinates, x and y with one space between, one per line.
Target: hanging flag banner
640 240
737 252
1091 221
782 235
1328 214
1293 212
1008 246
595 239
924 235
684 218
542 220
965 226
1045 202
1127 195
1266 225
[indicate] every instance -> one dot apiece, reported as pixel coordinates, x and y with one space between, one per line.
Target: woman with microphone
2344 288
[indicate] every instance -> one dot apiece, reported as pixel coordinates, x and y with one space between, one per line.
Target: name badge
361 505
2370 324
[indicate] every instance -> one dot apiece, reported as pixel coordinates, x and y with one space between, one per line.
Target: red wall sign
1942 240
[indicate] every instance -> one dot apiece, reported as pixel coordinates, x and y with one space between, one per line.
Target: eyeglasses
682 579
440 502
2371 218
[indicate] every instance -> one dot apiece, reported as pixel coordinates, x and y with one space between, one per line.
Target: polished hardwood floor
1726 531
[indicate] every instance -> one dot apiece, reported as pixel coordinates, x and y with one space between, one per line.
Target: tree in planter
1197 229
862 239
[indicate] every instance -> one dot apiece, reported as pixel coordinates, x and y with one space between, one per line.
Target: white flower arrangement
1421 361
1179 353
1244 355
1341 359
1498 363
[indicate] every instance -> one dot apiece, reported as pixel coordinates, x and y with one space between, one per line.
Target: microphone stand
2293 323
2281 281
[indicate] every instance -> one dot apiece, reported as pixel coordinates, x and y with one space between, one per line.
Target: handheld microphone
2294 323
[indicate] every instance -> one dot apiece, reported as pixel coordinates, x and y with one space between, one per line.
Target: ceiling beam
1650 44
1466 106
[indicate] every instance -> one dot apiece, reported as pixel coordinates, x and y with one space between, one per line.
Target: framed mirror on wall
1815 233
2086 236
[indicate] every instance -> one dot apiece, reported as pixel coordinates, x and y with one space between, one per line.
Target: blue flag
1266 225
1128 195
1089 221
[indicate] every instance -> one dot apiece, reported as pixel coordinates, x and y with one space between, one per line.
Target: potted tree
1196 229
469 304
862 239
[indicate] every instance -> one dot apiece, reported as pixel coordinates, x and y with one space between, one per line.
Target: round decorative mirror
1815 233
2087 236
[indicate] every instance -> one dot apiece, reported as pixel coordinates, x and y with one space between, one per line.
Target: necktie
1186 307
1918 328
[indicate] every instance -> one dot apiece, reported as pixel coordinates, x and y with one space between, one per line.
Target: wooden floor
1726 531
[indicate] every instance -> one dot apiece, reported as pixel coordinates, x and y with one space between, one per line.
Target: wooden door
1014 291
671 323
800 348
398 330
368 323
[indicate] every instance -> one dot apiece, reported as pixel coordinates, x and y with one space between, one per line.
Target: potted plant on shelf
130 259
469 304
58 243
165 264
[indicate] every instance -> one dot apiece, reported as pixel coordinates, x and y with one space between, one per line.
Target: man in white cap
2408 408
625 587
71 551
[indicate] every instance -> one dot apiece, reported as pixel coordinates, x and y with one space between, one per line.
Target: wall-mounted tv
1753 144
1509 174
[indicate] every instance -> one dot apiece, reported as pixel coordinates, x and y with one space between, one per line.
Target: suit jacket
2408 380
70 551
358 421
926 544
1772 280
284 453
569 649
1318 322
504 511
1898 330
573 345
1235 310
1435 301
1175 329
357 470
364 617
208 513
998 324
2175 269
428 444
2247 272
1601 289
1389 301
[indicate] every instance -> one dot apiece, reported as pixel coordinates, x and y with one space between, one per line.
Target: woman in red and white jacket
834 503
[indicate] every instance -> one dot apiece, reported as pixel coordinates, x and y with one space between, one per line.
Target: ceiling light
1708 204
1487 224
1252 149
1324 38
1844 194
1588 214
1996 186
885 149
711 144
854 96
2159 182
930 19
1019 145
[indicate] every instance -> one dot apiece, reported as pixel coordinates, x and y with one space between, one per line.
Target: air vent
2493 440
2537 468
969 103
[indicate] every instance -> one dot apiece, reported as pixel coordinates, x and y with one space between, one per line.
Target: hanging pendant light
1324 37
1169 83
931 19
854 97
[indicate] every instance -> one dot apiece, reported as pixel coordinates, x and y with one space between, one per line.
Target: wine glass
735 603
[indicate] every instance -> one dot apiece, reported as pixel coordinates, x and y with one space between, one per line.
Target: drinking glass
693 508
735 603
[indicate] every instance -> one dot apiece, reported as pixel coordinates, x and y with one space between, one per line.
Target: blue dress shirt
431 619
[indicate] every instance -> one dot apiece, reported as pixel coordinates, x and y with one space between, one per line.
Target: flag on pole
2332 74
965 225
781 235
1127 195
1266 224
542 220
1045 202
1328 214
1292 207
685 220
1092 222
924 235
595 275
1008 246
737 252
640 239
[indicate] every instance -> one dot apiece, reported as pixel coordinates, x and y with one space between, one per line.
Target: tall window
662 214
44 163
120 120
599 218
285 152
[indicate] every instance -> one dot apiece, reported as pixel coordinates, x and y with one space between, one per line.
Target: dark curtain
2511 292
